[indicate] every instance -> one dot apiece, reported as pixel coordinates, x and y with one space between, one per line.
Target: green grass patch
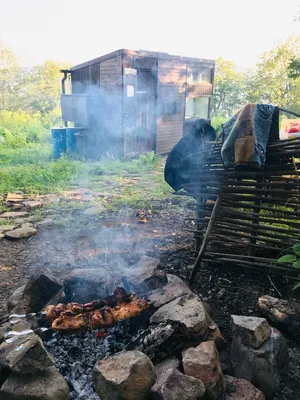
33 170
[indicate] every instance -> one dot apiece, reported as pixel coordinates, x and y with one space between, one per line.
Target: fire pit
125 345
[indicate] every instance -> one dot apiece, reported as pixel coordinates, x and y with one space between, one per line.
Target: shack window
170 108
198 75
197 107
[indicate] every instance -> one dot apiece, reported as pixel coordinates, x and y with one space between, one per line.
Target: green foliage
294 68
9 72
229 89
217 122
287 259
18 129
294 259
270 82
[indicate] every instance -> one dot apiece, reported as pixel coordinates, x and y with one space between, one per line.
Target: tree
40 88
294 68
9 69
229 88
271 81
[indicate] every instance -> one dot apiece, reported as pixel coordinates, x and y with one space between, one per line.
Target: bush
19 129
217 122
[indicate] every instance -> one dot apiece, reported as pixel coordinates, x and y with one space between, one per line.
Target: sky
76 31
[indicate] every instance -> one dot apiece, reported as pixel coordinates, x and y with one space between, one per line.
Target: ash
76 355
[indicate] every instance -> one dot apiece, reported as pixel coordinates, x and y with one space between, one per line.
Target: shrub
19 129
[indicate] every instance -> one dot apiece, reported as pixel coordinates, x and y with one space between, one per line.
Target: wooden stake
206 238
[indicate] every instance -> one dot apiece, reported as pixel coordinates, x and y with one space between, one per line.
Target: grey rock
145 276
202 362
40 288
284 314
173 385
21 233
167 293
14 214
84 285
27 225
187 309
2 236
20 221
2 333
44 385
6 228
124 376
240 389
26 355
264 366
253 331
15 303
32 205
174 279
168 363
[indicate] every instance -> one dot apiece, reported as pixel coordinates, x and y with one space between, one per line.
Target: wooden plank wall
111 88
171 88
104 78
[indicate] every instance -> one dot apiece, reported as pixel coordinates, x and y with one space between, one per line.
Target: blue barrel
71 140
59 144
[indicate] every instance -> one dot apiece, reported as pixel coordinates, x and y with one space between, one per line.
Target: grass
33 170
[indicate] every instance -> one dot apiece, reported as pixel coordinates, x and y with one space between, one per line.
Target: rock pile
259 353
182 363
16 225
27 372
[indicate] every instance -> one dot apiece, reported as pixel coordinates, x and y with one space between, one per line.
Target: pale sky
79 30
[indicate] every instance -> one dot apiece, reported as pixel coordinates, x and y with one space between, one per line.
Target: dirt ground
118 239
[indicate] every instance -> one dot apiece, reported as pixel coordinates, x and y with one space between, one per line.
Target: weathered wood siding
171 95
103 78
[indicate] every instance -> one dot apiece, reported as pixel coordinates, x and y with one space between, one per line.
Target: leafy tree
40 88
271 81
228 88
9 69
294 68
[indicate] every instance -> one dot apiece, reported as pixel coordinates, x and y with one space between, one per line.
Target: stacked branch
260 209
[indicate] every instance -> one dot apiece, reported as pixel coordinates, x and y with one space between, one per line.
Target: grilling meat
71 309
75 316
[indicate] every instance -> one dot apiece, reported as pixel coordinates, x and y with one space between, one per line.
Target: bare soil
119 239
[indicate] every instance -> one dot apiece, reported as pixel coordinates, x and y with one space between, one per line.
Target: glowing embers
97 314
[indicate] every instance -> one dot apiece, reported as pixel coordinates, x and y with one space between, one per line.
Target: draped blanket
246 136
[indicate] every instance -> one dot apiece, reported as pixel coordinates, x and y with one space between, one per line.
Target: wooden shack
136 101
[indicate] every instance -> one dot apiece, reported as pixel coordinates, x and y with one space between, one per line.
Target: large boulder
187 309
44 385
25 355
20 233
202 362
240 389
173 385
263 366
168 363
284 314
2 334
145 276
253 331
168 293
124 376
85 285
15 301
40 288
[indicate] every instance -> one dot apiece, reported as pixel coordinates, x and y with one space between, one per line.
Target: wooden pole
206 238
